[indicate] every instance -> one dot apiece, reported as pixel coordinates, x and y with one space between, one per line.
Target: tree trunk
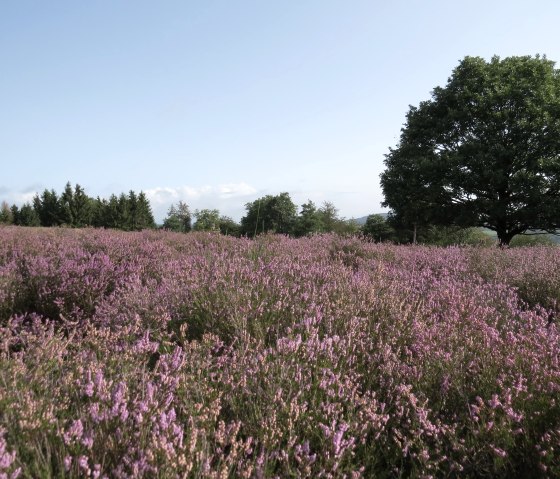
414 233
504 237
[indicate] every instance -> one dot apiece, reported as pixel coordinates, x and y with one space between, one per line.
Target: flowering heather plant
158 354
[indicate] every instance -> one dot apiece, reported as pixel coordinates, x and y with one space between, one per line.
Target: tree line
268 214
132 211
74 208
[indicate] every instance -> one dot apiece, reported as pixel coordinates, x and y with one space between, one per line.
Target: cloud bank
207 196
165 194
20 197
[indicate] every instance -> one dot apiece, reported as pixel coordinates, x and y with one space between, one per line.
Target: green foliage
207 220
438 235
453 235
66 200
27 216
377 228
123 211
322 220
6 215
331 222
178 218
142 217
532 240
110 213
229 227
484 151
406 229
24 216
346 227
308 221
328 217
76 207
130 212
82 208
270 213
48 208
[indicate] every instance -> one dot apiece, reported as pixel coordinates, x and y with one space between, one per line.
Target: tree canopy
132 211
74 208
207 220
270 213
377 227
483 151
178 218
308 221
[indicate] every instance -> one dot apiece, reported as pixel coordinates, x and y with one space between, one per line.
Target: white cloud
17 198
235 190
164 194
218 196
25 197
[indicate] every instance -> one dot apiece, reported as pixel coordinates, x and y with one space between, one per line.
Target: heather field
163 355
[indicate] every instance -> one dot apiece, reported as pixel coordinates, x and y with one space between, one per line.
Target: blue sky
218 103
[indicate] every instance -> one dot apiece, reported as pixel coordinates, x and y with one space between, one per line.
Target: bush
159 354
531 240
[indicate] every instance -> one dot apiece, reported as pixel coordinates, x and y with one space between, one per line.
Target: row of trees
269 214
278 214
132 211
74 208
179 218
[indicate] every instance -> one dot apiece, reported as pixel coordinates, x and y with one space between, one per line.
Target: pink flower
75 432
499 452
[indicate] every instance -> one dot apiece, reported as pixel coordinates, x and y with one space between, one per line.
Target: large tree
143 217
207 220
229 227
178 218
331 222
270 213
377 228
48 208
308 220
76 206
25 216
6 215
483 151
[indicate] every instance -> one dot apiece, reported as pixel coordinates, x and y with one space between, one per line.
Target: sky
219 102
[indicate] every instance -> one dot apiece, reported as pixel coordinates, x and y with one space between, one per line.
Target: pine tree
178 218
144 215
27 216
48 208
123 213
66 202
82 207
6 214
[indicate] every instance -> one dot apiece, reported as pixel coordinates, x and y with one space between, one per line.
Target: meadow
166 355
